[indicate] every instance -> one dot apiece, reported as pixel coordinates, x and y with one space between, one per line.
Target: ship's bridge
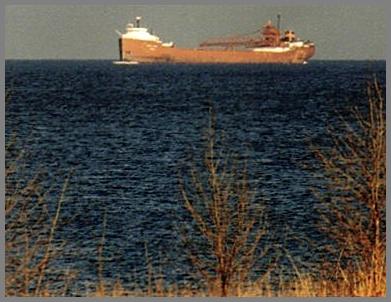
139 33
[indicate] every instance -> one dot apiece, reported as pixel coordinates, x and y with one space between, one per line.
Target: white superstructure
138 33
271 49
287 47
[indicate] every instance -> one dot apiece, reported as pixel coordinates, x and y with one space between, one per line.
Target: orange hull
149 51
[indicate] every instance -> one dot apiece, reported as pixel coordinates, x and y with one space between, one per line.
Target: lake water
125 131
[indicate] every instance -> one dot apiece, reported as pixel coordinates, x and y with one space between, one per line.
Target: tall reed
30 228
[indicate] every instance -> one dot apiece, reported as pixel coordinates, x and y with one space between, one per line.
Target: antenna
118 32
138 19
278 21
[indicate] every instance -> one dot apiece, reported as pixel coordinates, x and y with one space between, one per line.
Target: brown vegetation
228 218
353 208
30 238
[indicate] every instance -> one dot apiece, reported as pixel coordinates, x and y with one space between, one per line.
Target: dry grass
356 284
156 285
30 241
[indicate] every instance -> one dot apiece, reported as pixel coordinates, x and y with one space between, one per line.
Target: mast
278 21
138 19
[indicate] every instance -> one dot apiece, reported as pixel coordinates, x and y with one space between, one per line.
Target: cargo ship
266 45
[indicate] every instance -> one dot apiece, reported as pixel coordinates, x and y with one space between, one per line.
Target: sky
340 32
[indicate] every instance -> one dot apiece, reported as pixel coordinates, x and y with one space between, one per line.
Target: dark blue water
125 131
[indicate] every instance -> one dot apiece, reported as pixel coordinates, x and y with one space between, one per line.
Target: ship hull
152 52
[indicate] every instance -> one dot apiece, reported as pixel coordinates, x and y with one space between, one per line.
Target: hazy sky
88 32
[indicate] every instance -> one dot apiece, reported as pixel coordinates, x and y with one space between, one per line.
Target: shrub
353 209
227 217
